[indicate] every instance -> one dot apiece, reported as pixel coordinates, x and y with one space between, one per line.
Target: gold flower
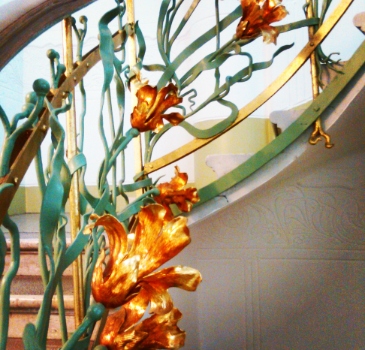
122 332
148 113
134 257
257 17
174 192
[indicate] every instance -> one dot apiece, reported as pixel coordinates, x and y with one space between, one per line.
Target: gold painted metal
151 105
257 18
174 192
82 68
135 256
317 133
318 130
122 331
74 198
134 83
272 89
128 279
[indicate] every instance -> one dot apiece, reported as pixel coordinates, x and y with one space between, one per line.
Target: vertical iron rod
132 55
318 130
74 191
314 70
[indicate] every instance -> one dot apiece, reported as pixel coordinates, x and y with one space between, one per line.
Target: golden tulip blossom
257 17
173 192
160 331
148 113
134 257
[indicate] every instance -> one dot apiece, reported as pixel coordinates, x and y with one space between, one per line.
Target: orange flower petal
257 17
163 332
269 34
166 98
158 241
151 105
179 180
183 277
158 331
173 238
174 118
111 285
173 192
274 11
146 95
160 298
150 222
117 238
112 290
114 334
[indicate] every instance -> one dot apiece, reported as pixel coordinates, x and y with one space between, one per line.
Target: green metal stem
11 139
290 134
7 280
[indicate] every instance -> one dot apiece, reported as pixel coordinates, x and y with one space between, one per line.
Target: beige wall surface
284 267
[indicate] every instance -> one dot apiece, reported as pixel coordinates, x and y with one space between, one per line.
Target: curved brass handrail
270 91
89 60
310 115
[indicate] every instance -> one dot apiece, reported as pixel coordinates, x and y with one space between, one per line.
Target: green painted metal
212 61
7 279
93 314
312 113
55 176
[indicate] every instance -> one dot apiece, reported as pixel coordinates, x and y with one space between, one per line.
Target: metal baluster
137 145
74 191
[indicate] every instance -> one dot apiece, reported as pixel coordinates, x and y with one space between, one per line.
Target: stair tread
33 285
35 301
16 344
28 225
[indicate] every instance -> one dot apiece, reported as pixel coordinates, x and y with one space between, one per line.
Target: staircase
27 288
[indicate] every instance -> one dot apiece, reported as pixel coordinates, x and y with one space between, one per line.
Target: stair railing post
318 130
74 197
132 56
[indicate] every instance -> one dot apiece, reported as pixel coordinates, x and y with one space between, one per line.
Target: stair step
33 302
27 290
29 261
18 321
24 309
33 285
16 344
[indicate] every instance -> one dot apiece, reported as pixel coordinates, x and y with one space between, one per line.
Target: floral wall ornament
174 192
148 114
256 19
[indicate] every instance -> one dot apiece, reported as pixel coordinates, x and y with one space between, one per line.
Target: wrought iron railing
155 110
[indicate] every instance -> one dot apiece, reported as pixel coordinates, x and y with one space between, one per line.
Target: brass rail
74 197
318 130
270 91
